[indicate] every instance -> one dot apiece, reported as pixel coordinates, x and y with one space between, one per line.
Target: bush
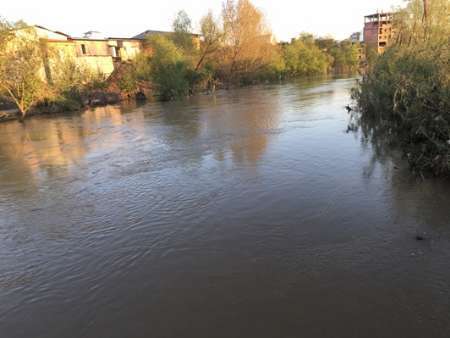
304 58
404 100
169 70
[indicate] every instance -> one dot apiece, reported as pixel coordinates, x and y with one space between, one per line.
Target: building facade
378 31
99 55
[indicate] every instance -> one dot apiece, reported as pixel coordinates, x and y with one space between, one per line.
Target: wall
86 47
103 65
371 33
125 49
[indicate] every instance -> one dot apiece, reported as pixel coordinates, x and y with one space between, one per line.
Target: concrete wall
129 49
86 47
102 65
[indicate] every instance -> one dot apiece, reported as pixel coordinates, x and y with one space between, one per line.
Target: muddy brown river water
247 214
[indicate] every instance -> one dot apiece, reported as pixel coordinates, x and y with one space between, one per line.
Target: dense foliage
303 57
20 65
169 69
237 49
404 99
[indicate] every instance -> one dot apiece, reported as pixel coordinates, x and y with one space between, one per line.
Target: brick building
378 31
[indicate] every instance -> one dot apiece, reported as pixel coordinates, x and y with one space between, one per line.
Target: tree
326 44
169 69
345 57
304 58
212 36
21 66
247 39
425 9
182 27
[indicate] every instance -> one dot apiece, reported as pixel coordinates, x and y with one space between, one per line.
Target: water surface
251 213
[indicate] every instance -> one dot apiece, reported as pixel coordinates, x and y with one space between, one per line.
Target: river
249 213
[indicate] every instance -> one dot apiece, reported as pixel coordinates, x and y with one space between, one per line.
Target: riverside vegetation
237 48
404 99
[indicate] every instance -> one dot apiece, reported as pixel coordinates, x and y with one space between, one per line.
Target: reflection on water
250 213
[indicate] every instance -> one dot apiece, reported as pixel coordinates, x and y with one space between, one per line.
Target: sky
287 18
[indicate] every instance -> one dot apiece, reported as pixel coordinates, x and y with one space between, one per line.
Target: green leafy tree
22 79
169 70
304 58
182 28
345 57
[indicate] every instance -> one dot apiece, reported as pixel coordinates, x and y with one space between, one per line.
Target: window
83 49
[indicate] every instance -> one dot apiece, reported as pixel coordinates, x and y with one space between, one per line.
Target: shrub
304 58
404 99
169 70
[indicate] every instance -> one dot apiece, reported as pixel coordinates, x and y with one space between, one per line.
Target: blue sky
287 18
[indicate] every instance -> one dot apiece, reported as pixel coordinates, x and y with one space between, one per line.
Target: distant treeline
237 48
404 100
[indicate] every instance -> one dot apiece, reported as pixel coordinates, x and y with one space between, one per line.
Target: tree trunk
21 116
426 4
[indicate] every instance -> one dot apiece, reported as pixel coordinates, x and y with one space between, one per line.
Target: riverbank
146 92
55 108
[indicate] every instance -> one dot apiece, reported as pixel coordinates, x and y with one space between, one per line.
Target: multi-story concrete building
378 31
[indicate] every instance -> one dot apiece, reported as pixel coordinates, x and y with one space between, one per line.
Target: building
378 31
97 54
124 49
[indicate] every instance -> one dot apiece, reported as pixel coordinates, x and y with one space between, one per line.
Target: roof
50 30
87 39
129 39
376 15
106 39
154 32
